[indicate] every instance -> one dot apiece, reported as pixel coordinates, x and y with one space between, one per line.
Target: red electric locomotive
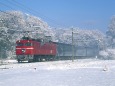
28 49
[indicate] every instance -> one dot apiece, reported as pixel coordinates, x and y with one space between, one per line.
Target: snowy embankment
63 65
87 72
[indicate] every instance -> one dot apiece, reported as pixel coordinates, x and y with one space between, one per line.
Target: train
38 50
33 50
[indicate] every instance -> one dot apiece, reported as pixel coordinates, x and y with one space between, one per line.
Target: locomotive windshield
20 44
28 44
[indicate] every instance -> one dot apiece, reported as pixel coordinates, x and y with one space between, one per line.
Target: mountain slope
15 24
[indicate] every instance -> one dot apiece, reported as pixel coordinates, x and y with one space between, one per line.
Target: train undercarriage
35 58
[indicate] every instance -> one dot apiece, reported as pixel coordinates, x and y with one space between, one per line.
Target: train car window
28 44
20 44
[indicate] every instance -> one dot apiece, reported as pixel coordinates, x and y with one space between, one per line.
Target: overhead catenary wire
8 12
19 5
33 11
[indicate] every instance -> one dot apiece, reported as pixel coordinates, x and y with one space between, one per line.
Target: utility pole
72 47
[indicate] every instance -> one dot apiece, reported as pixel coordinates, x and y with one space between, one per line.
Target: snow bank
107 54
58 65
86 72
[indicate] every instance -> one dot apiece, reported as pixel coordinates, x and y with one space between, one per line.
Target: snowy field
87 72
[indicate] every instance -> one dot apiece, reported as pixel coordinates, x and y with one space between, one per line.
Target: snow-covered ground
85 72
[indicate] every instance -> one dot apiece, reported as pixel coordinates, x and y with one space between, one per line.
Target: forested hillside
14 24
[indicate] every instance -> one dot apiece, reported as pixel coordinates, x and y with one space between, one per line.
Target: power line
7 12
10 13
6 5
12 9
34 12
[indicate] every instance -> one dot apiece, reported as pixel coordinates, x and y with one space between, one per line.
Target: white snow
107 54
85 72
16 24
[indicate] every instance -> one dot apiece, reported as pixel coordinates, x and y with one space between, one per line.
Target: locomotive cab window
20 44
28 44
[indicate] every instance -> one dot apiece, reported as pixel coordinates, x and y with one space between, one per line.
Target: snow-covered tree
111 33
14 24
81 37
5 44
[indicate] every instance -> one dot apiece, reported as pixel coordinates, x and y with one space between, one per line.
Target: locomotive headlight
23 50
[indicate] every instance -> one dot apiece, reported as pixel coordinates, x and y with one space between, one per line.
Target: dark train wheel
19 61
29 61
